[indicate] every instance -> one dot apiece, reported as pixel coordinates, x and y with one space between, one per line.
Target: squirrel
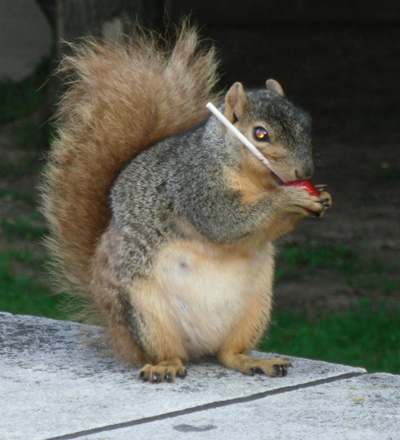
159 218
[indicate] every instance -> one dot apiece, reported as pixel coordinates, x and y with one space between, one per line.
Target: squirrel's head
280 131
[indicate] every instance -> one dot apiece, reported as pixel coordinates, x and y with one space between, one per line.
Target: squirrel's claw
321 187
182 373
163 372
281 370
326 202
326 199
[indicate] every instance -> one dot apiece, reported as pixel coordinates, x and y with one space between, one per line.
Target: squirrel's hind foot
163 372
251 366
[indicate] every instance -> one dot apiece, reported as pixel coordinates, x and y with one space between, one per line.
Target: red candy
304 184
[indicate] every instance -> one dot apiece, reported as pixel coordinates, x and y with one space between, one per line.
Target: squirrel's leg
140 327
144 333
108 295
156 332
232 353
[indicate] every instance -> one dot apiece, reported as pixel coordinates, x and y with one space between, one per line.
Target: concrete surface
25 38
56 384
360 408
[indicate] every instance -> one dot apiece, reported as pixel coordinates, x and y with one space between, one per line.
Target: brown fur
240 273
121 100
253 183
203 293
105 282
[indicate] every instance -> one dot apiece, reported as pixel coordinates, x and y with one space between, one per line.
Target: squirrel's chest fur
195 290
208 288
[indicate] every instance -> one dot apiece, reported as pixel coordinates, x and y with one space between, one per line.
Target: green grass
379 283
20 290
367 336
21 294
32 138
31 142
23 98
23 228
300 261
17 194
368 274
28 165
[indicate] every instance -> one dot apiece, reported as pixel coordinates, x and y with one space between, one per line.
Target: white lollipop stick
242 138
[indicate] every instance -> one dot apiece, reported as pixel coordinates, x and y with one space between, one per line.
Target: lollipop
304 184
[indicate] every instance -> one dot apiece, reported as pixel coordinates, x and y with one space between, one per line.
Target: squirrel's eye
261 134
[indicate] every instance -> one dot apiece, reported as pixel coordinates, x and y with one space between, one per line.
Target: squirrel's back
121 100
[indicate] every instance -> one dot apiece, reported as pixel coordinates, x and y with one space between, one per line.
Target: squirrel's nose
305 172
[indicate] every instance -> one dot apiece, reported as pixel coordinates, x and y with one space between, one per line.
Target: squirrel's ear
274 86
235 103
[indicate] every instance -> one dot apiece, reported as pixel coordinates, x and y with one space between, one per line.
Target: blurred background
337 294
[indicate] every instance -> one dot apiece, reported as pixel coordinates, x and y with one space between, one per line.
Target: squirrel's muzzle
305 171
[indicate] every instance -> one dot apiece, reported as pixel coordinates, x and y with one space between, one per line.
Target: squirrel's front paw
299 201
325 197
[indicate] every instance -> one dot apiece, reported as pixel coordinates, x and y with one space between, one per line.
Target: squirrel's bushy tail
121 99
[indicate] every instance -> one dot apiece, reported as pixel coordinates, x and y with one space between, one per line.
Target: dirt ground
346 76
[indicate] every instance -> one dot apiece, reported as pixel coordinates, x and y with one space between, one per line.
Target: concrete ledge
54 386
365 407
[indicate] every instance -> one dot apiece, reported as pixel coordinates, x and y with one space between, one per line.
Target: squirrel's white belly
208 288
